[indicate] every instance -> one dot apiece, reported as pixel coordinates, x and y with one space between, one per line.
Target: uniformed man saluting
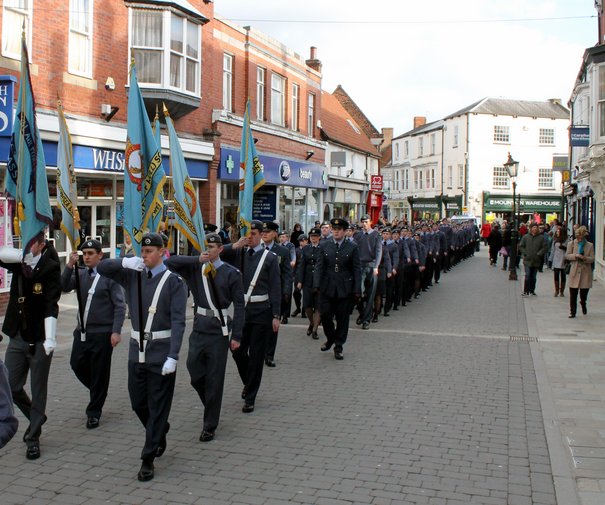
151 374
102 310
337 276
215 286
31 324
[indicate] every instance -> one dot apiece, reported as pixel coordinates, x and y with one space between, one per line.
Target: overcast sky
403 58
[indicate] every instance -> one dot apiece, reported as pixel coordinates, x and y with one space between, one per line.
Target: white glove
31 260
10 254
50 330
134 263
169 366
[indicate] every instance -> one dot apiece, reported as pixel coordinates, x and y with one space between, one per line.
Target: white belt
212 313
256 298
153 335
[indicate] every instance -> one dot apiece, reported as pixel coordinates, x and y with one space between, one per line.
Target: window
311 115
416 186
14 14
501 134
433 141
601 103
545 179
396 151
397 174
546 136
500 178
295 95
278 92
260 93
175 65
460 176
427 176
406 179
420 147
80 37
432 178
455 136
228 82
450 176
406 149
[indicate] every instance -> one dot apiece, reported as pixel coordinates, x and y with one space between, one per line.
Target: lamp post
512 168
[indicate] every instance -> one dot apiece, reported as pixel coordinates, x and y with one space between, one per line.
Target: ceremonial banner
187 212
26 180
251 175
144 176
66 184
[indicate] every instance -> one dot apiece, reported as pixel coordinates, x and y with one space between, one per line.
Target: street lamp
512 168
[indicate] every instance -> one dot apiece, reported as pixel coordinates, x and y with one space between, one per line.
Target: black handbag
567 268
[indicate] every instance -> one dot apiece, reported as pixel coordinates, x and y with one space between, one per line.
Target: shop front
538 208
452 205
425 208
293 191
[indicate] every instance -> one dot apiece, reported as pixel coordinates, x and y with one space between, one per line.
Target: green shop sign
529 203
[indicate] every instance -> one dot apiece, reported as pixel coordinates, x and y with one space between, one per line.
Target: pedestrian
31 324
151 373
215 286
532 249
337 278
225 232
580 252
297 231
8 422
100 317
369 242
506 245
486 229
262 296
557 259
495 244
304 281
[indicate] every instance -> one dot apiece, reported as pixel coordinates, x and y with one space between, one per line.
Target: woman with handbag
557 258
580 253
495 244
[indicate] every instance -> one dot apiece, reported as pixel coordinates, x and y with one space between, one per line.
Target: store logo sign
284 170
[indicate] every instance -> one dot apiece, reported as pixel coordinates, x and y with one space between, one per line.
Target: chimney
387 135
419 121
555 101
313 62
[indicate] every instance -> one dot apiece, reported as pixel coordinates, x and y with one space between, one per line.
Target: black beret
214 238
91 244
283 232
315 231
325 223
341 223
256 225
387 229
209 227
152 239
303 237
270 226
365 217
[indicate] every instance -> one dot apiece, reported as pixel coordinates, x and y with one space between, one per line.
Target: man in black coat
31 324
337 276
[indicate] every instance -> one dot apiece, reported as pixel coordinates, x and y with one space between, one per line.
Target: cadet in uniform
303 240
391 281
369 242
215 286
103 310
268 235
31 324
385 269
304 281
284 241
326 231
262 296
337 277
151 374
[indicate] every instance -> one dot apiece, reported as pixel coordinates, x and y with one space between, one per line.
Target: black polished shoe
207 436
247 408
162 447
92 423
33 451
146 472
359 320
571 316
386 314
395 308
584 308
244 391
295 313
314 336
366 326
326 346
269 362
310 330
375 318
338 355
284 320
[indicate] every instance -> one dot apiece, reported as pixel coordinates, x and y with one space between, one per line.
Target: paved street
437 404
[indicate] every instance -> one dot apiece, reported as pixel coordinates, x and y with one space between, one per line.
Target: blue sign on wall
264 206
7 97
579 136
281 171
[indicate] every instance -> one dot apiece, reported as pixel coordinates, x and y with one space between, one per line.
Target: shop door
96 222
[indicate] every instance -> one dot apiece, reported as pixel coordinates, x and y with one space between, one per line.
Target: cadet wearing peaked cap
342 223
210 228
99 325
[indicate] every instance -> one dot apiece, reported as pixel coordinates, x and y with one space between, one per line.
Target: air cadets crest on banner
37 289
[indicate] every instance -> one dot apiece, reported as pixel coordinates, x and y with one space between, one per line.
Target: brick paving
434 405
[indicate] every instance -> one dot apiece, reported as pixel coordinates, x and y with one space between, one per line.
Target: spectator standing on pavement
8 422
297 231
557 258
151 373
580 252
532 249
486 229
495 244
103 312
31 324
506 244
224 233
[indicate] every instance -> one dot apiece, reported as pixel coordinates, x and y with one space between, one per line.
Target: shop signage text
579 136
7 93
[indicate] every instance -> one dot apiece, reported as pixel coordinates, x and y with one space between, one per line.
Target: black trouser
91 362
20 360
391 287
573 299
411 274
250 356
369 283
297 295
437 267
428 271
335 310
206 362
151 398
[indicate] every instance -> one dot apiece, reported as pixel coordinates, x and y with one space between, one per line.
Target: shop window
500 178
501 134
80 37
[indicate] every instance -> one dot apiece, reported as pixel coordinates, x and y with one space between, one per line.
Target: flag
251 175
144 176
26 180
66 184
187 212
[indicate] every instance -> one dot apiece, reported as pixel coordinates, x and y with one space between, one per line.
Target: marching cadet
284 241
369 242
151 373
385 270
262 297
304 281
439 238
31 324
337 277
268 235
215 286
98 332
404 260
303 240
421 265
326 231
391 281
411 269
